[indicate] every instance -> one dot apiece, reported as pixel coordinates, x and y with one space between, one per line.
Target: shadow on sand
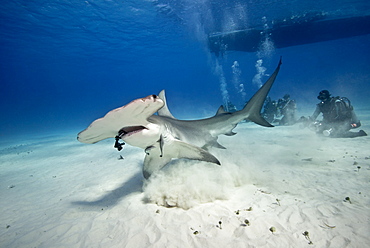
133 185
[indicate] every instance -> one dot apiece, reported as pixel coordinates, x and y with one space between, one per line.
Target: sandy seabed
277 187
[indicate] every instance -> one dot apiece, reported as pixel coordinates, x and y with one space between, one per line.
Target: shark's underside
164 137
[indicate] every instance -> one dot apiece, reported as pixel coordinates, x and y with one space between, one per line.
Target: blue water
65 63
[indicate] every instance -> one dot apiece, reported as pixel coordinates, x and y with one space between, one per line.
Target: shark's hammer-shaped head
130 122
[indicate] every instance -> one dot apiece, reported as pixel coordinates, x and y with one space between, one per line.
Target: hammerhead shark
163 137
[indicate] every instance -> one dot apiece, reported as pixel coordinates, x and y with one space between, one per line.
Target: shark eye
154 96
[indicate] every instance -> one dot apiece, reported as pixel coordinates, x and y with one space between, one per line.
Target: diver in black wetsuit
287 108
338 117
270 110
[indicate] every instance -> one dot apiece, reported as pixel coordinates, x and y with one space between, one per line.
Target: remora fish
164 137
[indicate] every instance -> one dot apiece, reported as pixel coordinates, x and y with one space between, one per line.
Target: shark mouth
127 131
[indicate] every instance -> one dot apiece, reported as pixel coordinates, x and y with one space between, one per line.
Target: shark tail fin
253 108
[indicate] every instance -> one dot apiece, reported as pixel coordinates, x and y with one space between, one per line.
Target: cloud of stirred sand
187 183
254 156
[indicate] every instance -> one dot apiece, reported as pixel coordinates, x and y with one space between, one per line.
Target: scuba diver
270 110
287 109
338 117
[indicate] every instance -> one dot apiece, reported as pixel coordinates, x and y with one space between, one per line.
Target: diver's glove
355 125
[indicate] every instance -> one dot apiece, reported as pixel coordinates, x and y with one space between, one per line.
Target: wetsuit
338 118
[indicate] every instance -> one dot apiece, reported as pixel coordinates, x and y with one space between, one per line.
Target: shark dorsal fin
164 111
221 110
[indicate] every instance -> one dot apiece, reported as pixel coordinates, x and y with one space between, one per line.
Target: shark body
163 137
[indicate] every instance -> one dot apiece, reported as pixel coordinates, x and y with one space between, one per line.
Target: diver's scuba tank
327 132
315 126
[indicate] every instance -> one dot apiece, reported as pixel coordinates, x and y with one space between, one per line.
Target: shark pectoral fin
213 143
185 150
231 133
156 160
